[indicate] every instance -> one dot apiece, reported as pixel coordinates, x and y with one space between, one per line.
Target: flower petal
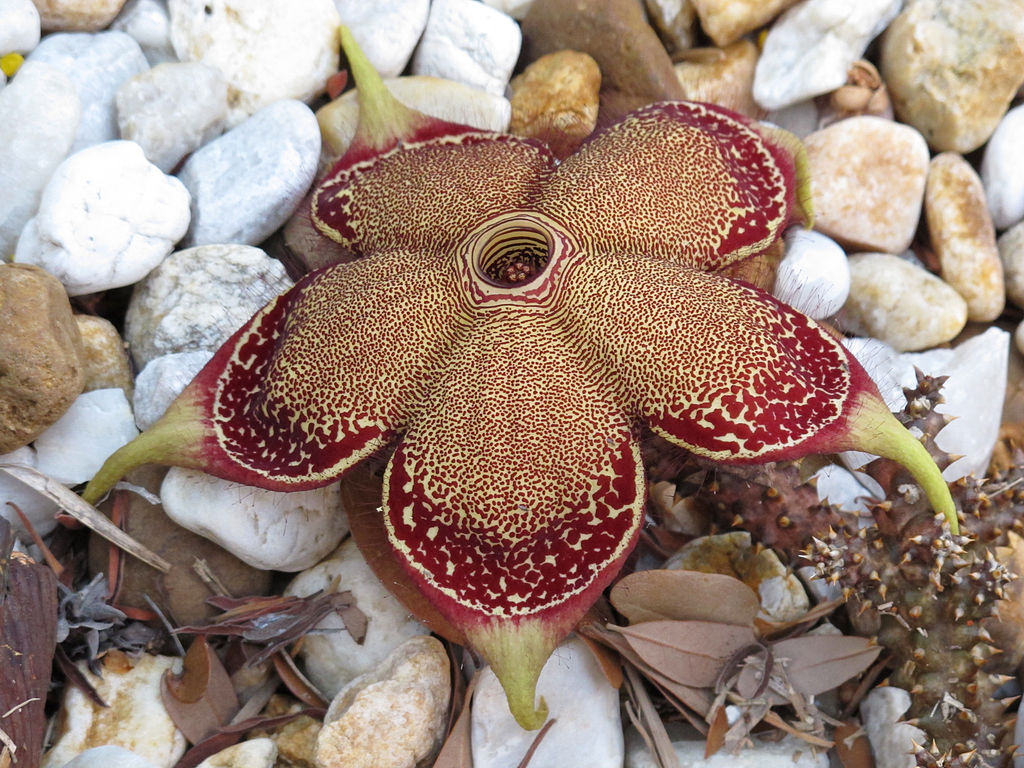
516 496
690 182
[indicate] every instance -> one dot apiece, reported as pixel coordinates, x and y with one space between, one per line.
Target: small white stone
148 22
892 741
73 449
96 64
469 42
269 530
809 49
40 511
1000 170
386 30
248 182
267 50
847 490
198 297
254 753
789 752
106 218
333 659
161 381
172 109
40 119
814 276
19 26
584 705
109 757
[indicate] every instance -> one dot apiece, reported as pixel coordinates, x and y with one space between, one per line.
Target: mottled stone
963 237
1011 253
675 22
555 100
722 76
77 15
386 30
41 354
1000 170
900 303
952 68
726 21
394 715
867 182
105 358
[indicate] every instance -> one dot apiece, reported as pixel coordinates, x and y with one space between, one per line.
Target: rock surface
77 15
722 76
675 21
109 757
1004 156
104 356
386 30
149 24
161 381
726 21
252 753
1011 254
40 511
892 741
813 276
19 26
789 752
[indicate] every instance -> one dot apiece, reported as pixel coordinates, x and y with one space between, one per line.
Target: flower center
513 253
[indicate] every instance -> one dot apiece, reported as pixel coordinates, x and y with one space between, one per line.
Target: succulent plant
493 319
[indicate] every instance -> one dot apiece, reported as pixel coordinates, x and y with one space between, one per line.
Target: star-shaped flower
508 323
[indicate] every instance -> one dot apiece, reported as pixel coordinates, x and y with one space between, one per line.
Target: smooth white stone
584 705
40 511
109 757
19 26
161 381
469 42
198 297
814 276
333 659
789 752
149 23
40 119
74 448
96 64
846 489
517 9
1000 170
248 182
106 218
266 49
254 753
386 30
269 530
809 49
891 740
172 109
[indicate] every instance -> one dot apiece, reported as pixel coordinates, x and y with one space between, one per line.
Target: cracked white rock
248 182
333 659
106 218
469 42
1000 170
809 49
148 22
814 276
269 530
198 297
172 109
161 381
19 26
386 30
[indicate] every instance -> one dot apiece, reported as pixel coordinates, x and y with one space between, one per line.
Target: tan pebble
394 715
901 303
41 353
76 15
726 79
675 22
555 100
867 182
726 21
1011 254
1018 337
106 357
254 753
296 742
963 237
953 67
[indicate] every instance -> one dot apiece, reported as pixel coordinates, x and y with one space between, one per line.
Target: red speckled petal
714 365
685 181
426 194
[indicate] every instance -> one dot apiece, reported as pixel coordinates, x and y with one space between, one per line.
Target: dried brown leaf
819 663
201 698
852 746
608 660
684 596
296 682
456 751
717 728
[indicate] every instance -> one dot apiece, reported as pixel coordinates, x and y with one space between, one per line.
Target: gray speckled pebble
247 183
96 64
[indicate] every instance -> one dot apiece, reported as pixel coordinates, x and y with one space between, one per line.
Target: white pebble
269 530
386 30
248 182
161 381
19 26
74 448
172 109
41 113
469 42
252 753
789 752
109 756
809 49
332 659
892 741
106 218
814 276
1000 170
584 705
40 511
149 23
96 64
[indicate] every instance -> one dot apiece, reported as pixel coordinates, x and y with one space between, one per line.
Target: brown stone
723 76
675 21
76 15
953 67
726 21
41 369
556 99
106 358
963 237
